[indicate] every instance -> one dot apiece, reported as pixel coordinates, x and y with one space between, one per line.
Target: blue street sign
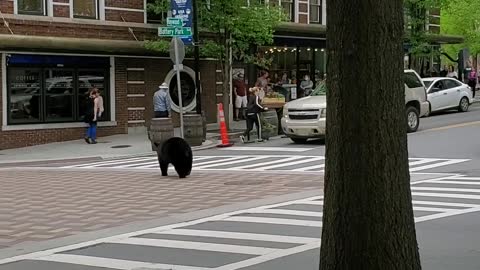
183 9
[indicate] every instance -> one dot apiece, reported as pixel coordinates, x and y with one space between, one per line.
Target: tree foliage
460 17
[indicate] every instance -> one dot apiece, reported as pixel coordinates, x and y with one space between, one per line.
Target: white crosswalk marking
256 163
261 247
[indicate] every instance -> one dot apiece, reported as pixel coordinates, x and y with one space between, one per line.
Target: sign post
176 30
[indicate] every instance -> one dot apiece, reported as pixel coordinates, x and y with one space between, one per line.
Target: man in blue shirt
161 102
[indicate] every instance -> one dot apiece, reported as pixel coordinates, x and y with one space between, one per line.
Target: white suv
305 118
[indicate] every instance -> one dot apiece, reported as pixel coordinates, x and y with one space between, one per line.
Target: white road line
138 164
241 236
269 257
261 164
464 178
289 212
446 195
432 209
283 164
250 250
446 189
274 149
113 263
441 164
319 166
109 162
312 202
221 163
421 161
279 221
152 164
466 205
449 214
457 182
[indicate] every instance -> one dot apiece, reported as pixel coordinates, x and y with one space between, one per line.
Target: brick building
53 51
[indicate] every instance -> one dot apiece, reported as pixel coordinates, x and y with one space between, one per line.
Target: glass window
157 11
315 11
286 6
452 84
31 7
24 95
188 89
85 9
411 80
59 95
53 95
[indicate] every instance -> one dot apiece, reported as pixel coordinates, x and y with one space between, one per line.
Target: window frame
317 6
97 10
43 13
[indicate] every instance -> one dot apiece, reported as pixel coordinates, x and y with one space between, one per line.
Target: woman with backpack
254 108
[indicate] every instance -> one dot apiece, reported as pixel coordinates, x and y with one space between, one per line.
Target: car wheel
299 140
413 119
463 105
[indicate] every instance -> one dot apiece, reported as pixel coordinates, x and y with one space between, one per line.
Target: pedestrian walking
92 114
452 73
472 80
241 100
161 102
254 108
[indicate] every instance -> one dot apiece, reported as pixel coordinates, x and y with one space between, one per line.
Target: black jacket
253 105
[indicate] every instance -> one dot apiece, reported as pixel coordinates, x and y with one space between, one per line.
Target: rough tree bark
368 219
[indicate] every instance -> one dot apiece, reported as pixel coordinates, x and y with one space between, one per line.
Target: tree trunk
368 221
226 83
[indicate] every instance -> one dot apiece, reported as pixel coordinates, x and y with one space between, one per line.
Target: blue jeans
92 131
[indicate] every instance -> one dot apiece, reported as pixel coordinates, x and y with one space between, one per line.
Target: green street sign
174 31
175 22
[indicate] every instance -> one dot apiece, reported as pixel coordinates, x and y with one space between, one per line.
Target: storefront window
320 65
188 89
286 6
31 7
47 94
85 9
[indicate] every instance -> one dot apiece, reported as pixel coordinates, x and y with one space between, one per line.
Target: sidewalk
107 147
39 204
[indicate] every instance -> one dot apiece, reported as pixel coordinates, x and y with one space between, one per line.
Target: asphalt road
286 236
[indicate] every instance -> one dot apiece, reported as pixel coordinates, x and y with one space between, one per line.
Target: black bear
177 152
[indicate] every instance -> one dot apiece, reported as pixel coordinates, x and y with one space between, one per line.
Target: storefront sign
182 9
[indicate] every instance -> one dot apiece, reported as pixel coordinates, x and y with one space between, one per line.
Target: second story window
157 11
286 6
316 11
32 7
86 9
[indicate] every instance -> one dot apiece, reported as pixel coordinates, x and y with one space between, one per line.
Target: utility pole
197 57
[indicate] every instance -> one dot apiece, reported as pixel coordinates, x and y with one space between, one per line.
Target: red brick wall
61 11
6 6
128 16
43 28
134 4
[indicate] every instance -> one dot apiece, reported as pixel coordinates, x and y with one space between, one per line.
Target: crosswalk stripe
303 169
217 161
311 202
195 246
274 149
241 236
113 263
109 162
466 205
446 189
435 165
228 163
464 178
289 212
421 161
430 209
261 164
446 195
457 182
279 221
291 163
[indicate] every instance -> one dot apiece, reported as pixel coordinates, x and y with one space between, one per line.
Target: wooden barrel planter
269 124
193 129
160 130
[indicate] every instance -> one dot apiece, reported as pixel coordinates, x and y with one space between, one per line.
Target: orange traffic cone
223 128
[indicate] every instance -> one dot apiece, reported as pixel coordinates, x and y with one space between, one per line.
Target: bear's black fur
177 152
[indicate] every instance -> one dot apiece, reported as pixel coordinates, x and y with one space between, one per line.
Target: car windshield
427 83
320 90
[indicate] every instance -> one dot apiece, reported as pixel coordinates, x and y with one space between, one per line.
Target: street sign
175 31
175 22
182 9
